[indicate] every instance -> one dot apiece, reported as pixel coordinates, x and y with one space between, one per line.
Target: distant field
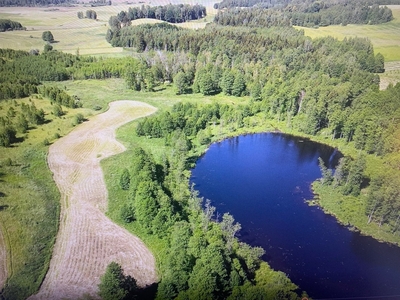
72 33
384 37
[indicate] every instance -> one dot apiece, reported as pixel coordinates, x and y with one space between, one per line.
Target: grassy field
30 217
385 37
71 33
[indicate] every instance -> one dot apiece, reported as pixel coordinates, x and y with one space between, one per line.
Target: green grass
32 196
100 92
350 211
30 218
72 33
385 37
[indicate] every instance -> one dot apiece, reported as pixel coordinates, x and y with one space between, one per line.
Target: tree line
352 13
204 259
7 25
21 72
35 2
297 5
170 13
90 14
95 3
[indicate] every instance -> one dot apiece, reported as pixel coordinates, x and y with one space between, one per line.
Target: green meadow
30 206
384 37
71 34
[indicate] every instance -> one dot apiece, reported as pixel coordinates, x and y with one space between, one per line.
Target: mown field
71 34
30 203
30 206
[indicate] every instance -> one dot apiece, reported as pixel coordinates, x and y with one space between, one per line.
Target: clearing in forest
87 240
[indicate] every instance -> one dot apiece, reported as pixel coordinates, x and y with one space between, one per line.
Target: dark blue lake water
262 180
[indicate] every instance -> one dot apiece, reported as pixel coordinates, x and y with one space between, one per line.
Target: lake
263 181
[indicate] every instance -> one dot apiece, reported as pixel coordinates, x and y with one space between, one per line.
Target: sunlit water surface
263 180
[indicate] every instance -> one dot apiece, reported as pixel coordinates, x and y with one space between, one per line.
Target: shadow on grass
3 207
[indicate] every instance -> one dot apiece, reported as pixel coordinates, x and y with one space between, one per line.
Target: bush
47 36
127 214
57 110
78 119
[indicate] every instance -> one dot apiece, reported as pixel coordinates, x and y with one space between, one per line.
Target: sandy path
87 240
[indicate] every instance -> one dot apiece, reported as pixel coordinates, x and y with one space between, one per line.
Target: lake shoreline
345 149
262 180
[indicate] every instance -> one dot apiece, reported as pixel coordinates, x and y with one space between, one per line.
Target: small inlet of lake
263 181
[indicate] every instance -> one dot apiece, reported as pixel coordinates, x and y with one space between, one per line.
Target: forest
306 14
350 14
321 87
170 13
315 86
34 2
306 6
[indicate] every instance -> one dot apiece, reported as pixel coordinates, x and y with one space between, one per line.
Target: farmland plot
87 240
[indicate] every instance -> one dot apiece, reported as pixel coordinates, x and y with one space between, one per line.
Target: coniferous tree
125 179
327 177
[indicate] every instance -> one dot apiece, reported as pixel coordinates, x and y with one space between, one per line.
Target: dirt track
87 240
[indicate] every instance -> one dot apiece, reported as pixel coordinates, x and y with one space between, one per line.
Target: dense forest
356 13
306 5
317 87
313 14
204 259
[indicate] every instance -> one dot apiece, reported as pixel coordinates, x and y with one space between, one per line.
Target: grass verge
350 211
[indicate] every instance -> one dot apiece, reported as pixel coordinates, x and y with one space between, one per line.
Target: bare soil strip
87 240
